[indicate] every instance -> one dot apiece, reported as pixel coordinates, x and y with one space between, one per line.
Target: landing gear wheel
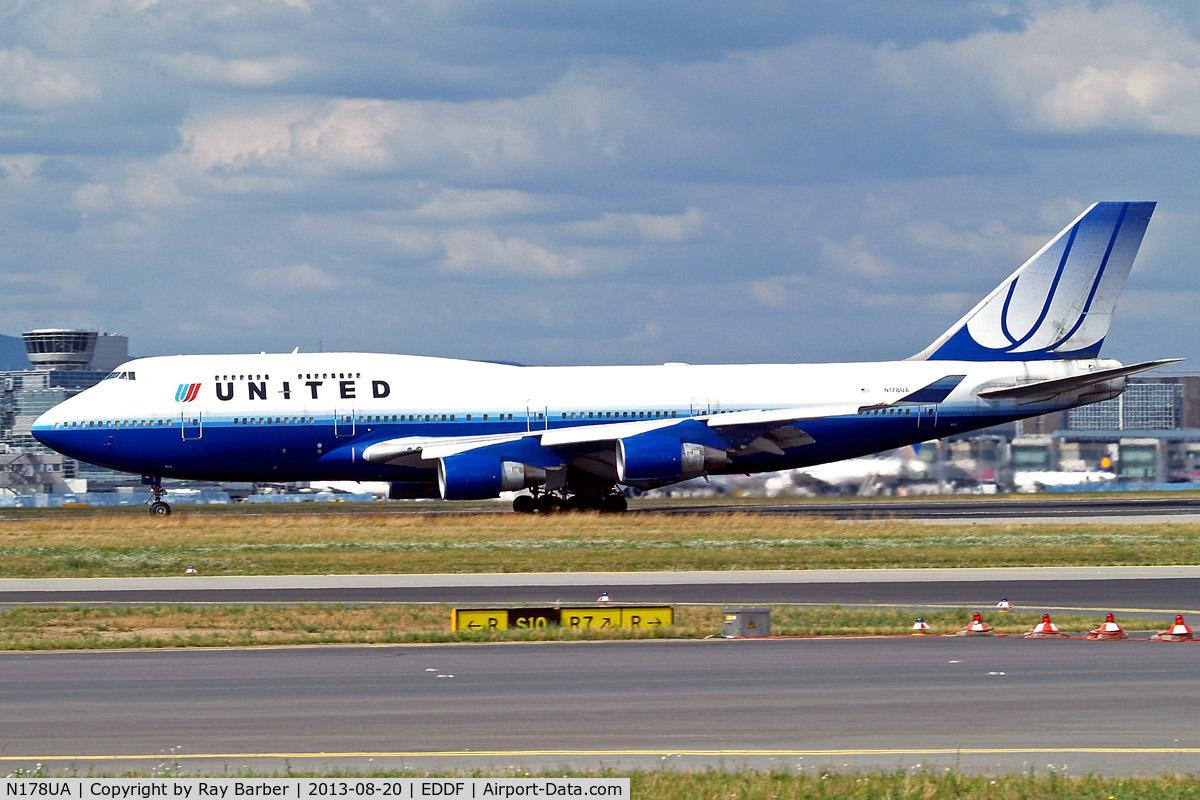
524 504
548 504
614 503
160 509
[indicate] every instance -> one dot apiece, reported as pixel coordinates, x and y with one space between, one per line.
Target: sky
583 183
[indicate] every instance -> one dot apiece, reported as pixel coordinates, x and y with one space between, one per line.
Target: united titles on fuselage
306 389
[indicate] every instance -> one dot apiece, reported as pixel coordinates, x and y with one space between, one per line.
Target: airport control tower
65 362
75 350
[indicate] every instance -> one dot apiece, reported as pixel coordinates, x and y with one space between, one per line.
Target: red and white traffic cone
1179 632
977 627
920 628
1108 631
1045 630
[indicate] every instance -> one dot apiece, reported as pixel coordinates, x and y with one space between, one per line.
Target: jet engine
663 459
472 476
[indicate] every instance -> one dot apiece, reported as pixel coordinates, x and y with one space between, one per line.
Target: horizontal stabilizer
1057 386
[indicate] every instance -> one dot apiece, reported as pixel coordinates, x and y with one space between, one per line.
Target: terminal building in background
1148 435
62 363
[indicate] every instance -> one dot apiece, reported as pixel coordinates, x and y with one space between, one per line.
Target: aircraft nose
51 430
46 429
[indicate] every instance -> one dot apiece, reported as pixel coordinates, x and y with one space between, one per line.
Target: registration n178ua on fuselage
573 436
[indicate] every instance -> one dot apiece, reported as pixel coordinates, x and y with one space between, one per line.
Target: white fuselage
311 416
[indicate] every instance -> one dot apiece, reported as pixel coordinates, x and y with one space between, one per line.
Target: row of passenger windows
116 423
299 377
161 423
875 412
538 416
617 415
428 417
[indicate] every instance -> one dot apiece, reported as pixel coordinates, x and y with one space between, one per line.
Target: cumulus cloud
854 259
458 205
777 292
242 72
34 83
1073 68
485 254
293 279
427 161
641 227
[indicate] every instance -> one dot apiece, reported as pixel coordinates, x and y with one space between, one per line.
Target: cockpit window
121 376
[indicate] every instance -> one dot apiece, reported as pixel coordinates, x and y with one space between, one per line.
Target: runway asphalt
981 705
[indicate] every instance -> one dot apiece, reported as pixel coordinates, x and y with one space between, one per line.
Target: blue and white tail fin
1060 302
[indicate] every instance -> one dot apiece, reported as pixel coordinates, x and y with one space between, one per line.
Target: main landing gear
544 502
158 508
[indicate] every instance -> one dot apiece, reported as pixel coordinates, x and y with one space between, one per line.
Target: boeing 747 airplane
573 436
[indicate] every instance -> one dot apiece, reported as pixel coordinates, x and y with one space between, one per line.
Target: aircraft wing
1040 390
548 448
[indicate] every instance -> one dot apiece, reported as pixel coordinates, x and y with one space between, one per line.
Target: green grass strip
165 626
804 783
117 545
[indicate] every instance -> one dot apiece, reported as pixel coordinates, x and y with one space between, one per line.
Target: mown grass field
810 783
108 545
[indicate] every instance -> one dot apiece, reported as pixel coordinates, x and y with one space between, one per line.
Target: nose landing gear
158 508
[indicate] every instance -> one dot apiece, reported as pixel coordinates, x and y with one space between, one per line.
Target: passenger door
192 424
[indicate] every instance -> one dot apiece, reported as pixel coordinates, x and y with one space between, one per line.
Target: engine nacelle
477 477
663 459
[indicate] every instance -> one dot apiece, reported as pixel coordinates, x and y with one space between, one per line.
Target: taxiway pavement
990 705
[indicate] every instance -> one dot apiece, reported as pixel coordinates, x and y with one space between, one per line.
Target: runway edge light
1179 632
1108 631
977 627
920 627
1045 630
1004 606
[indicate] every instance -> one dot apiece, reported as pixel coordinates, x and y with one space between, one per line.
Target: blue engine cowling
478 477
649 459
